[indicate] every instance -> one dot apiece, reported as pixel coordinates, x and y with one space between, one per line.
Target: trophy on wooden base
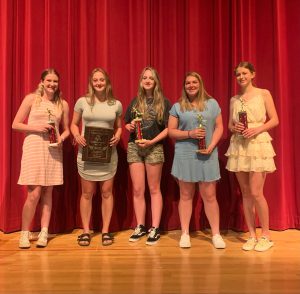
52 132
201 141
242 115
138 125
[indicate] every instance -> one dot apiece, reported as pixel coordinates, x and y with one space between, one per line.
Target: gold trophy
242 115
138 125
201 141
52 131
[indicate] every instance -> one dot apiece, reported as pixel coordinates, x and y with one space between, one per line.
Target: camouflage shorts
152 154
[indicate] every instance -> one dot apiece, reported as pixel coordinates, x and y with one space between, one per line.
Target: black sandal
107 239
84 239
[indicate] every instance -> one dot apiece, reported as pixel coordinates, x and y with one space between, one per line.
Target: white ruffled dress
255 154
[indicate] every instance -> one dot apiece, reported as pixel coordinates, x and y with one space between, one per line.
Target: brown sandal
84 239
107 239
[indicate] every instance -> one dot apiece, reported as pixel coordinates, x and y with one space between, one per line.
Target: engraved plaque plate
97 148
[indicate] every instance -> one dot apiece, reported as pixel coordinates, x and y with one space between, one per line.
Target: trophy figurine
52 131
138 125
201 141
242 115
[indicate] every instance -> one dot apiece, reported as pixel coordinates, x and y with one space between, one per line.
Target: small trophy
138 125
242 114
201 141
52 131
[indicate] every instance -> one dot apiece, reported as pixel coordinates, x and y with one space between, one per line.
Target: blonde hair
90 95
184 102
158 98
39 91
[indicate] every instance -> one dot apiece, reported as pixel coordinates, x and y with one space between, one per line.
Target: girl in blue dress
190 166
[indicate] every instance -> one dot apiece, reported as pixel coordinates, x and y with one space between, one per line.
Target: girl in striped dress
41 165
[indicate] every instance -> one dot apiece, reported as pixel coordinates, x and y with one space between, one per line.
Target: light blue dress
188 165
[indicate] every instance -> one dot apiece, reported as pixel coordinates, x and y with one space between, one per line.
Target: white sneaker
263 244
24 240
185 241
31 236
218 241
42 238
250 244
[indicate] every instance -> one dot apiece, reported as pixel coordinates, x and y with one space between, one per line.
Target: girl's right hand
79 140
238 127
131 126
197 133
43 128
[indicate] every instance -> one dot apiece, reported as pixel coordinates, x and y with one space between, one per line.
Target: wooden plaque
97 148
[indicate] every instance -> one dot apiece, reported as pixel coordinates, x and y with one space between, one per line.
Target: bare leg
154 176
46 204
33 197
211 207
257 181
107 203
185 206
88 190
248 202
137 173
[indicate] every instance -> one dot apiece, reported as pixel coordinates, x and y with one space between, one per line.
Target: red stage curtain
174 36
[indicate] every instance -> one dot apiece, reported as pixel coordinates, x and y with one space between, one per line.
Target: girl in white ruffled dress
250 154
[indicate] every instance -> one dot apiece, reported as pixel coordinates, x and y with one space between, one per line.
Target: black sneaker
153 236
138 233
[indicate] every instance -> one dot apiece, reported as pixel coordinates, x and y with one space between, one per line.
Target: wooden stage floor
64 267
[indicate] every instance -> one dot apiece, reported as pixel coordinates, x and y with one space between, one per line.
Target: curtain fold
174 36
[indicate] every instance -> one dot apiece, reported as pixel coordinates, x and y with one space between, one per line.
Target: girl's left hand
208 150
145 143
114 140
248 133
60 141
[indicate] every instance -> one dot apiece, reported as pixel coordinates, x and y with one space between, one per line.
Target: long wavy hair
184 102
90 95
57 98
158 98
